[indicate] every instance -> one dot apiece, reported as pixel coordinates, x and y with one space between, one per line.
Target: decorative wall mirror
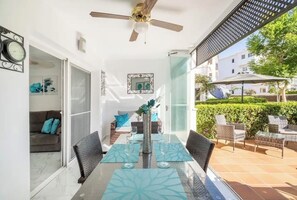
140 83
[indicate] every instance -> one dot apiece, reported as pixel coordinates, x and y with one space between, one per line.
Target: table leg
282 152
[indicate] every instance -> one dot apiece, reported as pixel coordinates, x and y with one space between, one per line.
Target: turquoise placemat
142 184
175 152
117 154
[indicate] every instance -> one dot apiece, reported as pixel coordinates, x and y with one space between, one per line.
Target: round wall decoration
13 51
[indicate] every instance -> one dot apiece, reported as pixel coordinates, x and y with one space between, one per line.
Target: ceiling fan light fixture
141 27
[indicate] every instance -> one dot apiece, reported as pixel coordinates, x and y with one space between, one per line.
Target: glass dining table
183 179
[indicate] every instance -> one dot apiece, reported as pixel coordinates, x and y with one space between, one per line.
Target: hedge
247 99
291 92
254 116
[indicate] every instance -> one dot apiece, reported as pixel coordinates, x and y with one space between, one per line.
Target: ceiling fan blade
148 6
108 15
167 25
133 36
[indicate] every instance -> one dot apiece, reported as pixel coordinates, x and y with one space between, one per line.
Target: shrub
291 92
233 100
254 116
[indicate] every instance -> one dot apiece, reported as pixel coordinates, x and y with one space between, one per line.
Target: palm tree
204 85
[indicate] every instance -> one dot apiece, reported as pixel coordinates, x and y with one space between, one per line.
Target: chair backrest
200 148
89 153
281 121
139 126
220 119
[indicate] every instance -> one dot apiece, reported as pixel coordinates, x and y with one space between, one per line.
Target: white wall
14 112
116 87
50 32
44 102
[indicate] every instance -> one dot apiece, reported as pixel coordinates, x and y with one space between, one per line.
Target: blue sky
239 46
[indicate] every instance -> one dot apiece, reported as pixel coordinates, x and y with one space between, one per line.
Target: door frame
63 90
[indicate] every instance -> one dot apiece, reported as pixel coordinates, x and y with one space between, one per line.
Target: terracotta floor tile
252 168
286 178
270 168
289 168
288 192
269 193
230 177
245 192
269 178
253 174
249 178
219 168
234 168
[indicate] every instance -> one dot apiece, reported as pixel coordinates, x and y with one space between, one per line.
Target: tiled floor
42 166
257 175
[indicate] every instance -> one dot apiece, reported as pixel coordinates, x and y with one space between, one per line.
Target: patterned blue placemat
174 152
117 154
142 184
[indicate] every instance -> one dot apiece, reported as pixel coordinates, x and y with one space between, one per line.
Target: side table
270 139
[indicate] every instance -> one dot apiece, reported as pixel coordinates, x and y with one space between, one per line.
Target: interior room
70 60
45 88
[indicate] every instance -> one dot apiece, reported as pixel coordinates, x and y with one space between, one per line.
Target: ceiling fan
141 15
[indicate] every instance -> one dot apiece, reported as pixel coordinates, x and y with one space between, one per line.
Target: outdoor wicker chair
200 148
279 124
229 131
89 153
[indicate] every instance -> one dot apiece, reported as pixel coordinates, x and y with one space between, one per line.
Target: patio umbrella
248 78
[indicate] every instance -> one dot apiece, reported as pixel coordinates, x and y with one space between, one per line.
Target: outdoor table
270 139
192 177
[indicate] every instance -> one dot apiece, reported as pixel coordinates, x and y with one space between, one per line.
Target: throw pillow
123 120
47 125
132 115
55 126
154 117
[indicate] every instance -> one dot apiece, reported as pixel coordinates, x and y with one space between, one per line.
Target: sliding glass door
80 105
179 95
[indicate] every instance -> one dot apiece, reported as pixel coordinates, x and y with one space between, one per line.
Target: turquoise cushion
123 120
55 126
154 117
47 125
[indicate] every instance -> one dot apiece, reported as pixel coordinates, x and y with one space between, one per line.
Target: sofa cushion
123 129
47 125
123 120
154 117
55 126
133 116
43 139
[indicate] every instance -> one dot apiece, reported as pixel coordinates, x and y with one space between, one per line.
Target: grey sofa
40 142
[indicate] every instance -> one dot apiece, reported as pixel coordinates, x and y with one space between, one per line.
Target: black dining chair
200 148
88 152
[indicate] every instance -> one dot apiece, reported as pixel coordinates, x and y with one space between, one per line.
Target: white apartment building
238 63
209 68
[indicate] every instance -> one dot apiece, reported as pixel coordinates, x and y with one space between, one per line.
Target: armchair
279 124
229 131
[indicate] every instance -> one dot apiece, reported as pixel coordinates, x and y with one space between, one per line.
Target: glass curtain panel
80 105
